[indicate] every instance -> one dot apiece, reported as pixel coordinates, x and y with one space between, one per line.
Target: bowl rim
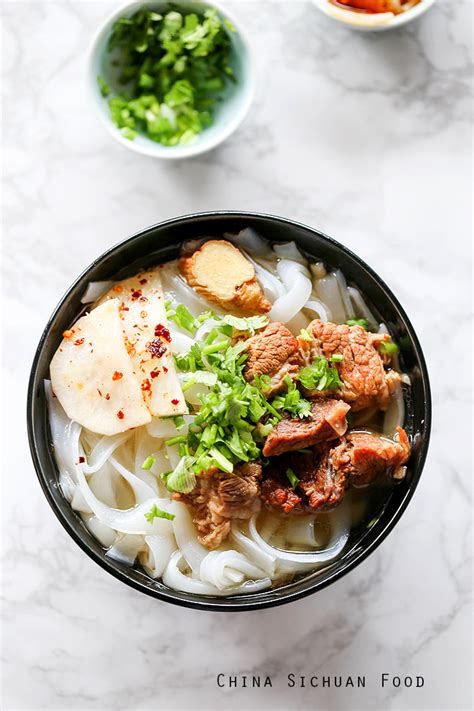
151 148
393 23
249 602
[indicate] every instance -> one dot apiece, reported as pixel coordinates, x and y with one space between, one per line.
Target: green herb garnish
103 86
172 70
358 322
320 376
155 512
148 463
293 402
305 335
182 317
388 347
336 358
292 478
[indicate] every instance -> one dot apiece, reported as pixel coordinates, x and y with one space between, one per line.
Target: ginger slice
221 273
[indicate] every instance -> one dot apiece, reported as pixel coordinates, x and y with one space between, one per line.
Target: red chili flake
156 348
107 396
122 307
143 298
143 281
136 294
162 332
82 460
120 415
146 385
165 369
117 375
118 288
79 342
143 314
99 392
68 333
174 401
155 373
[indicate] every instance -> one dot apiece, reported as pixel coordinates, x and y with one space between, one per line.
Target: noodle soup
228 420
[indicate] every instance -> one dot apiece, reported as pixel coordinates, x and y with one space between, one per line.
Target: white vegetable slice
146 330
92 375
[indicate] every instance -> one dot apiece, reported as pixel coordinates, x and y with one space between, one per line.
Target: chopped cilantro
305 335
320 376
293 402
103 86
155 512
172 70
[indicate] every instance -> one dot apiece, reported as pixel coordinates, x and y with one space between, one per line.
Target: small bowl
228 113
160 243
355 21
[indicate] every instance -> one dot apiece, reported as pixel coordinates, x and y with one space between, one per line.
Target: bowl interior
161 243
228 111
397 21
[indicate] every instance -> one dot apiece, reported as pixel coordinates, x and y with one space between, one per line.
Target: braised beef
328 470
327 421
365 456
273 352
277 493
365 382
218 498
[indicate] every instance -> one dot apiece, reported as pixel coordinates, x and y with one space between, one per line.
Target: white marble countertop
364 136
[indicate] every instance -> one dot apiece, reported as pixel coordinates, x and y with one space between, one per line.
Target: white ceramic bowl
377 23
227 114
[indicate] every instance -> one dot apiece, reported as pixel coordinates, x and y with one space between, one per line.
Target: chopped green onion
155 512
292 478
179 421
388 347
148 463
336 358
250 324
214 347
358 322
305 335
221 461
175 440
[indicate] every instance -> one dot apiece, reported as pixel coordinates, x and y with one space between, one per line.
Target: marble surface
366 137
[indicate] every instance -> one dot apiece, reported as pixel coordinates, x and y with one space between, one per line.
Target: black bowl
161 243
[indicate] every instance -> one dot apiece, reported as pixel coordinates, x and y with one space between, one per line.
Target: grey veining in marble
366 137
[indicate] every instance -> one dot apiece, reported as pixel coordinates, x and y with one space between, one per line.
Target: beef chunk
327 421
323 485
319 484
365 456
273 352
364 380
278 494
328 470
218 498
